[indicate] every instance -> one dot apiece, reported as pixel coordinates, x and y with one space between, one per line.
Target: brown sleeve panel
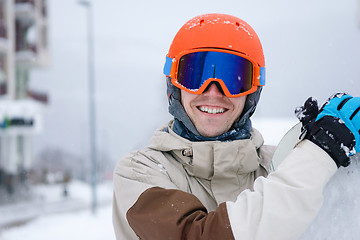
173 214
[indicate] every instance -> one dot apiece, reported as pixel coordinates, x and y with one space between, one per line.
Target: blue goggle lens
235 71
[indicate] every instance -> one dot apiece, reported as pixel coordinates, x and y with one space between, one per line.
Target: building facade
23 46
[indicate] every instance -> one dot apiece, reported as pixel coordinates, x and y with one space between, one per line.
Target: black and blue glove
335 127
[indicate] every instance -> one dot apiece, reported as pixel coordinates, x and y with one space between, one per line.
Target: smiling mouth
212 110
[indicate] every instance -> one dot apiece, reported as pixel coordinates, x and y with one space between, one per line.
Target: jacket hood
176 109
209 158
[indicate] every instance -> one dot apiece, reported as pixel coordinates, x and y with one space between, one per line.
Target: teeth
211 110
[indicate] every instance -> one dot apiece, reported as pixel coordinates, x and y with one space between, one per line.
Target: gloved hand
335 127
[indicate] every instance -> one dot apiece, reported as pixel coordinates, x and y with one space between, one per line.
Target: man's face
212 113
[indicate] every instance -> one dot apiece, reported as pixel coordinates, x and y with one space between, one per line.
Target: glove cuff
322 139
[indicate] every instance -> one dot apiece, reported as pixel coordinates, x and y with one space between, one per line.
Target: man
206 174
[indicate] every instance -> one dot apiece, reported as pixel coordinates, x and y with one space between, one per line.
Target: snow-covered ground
51 216
73 225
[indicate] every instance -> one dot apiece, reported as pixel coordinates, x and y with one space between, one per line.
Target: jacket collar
210 159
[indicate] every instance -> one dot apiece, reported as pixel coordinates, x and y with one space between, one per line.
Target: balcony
3 37
25 1
25 45
44 10
26 57
2 30
3 75
25 11
3 88
38 96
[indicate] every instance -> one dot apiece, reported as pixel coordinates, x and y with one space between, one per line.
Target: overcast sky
312 48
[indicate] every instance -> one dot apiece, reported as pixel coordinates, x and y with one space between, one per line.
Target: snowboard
339 217
286 144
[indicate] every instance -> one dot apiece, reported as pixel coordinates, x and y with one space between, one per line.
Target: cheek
239 103
186 99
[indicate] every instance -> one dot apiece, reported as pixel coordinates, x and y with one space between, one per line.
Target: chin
211 134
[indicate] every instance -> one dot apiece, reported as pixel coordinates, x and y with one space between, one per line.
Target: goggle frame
172 65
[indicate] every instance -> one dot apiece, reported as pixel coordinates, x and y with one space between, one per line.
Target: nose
214 89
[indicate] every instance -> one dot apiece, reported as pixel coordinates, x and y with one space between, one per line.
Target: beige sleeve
132 176
284 204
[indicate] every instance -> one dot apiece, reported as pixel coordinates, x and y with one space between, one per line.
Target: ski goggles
194 70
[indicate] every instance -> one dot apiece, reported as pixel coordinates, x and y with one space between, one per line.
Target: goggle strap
262 76
167 66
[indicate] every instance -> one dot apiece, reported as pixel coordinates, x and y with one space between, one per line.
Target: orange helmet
218 31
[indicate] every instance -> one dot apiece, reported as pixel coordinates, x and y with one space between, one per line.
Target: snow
339 217
75 225
19 108
55 217
161 168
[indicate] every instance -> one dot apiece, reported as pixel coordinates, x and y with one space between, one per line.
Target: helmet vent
202 22
237 24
